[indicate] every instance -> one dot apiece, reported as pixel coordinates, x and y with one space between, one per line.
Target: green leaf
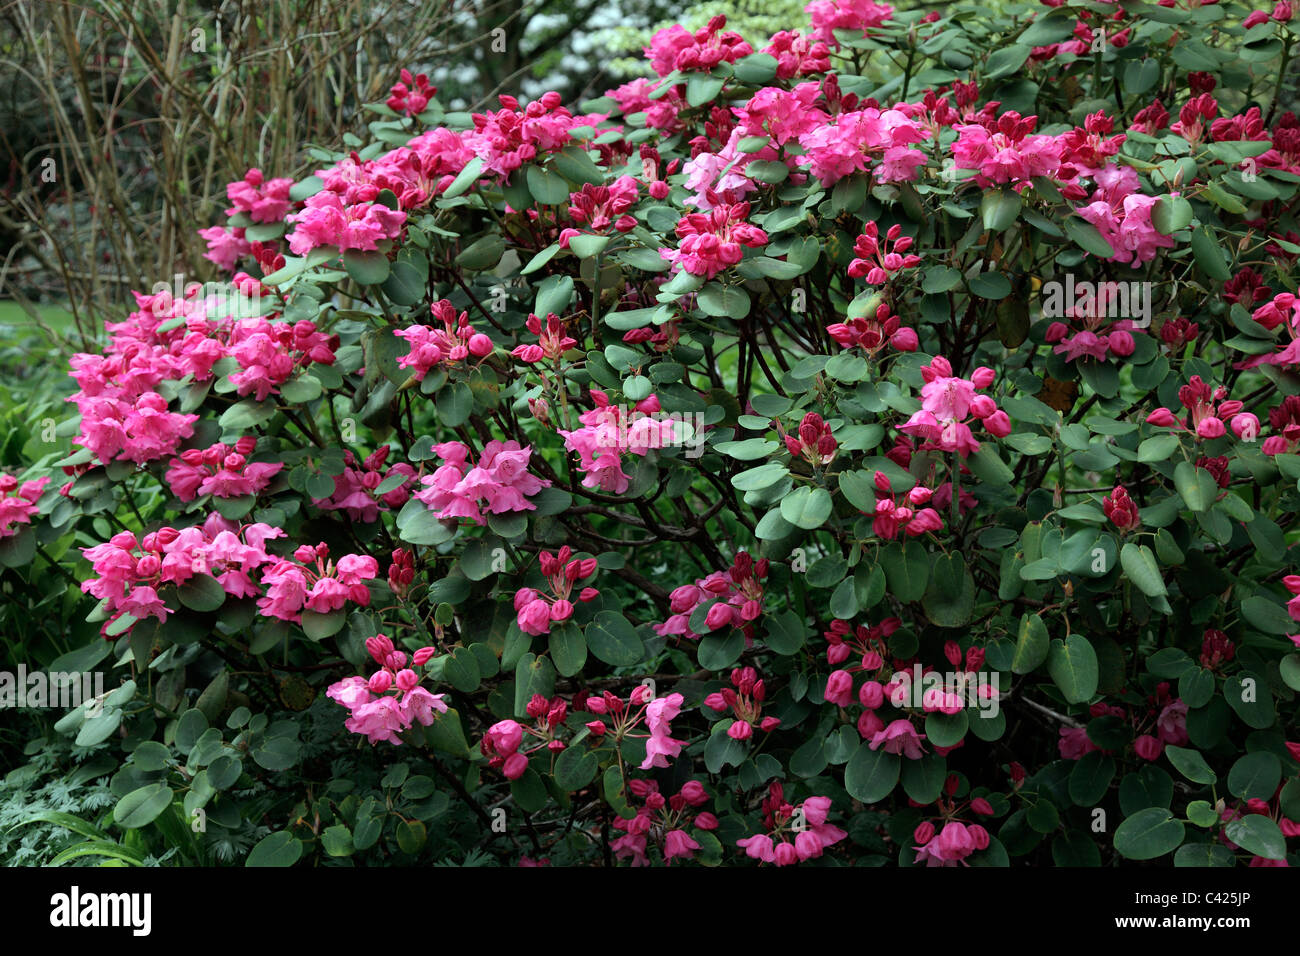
202 592
923 779
1139 563
547 188
907 569
1170 214
319 626
366 268
141 807
946 730
614 640
99 848
66 820
1087 237
1267 615
533 675
464 179
1252 702
950 598
568 648
1196 486
1257 834
1191 764
1072 664
1000 209
575 768
1148 834
871 775
1208 254
281 848
1255 776
807 508
1090 778
337 841
483 253
588 247
1005 60
1032 644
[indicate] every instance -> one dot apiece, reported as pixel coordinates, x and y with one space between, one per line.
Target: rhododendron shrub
875 443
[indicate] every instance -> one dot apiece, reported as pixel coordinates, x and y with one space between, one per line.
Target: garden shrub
877 444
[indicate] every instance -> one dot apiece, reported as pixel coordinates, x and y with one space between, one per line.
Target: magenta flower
899 737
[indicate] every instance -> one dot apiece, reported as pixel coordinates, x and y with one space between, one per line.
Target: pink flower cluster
356 488
1088 343
857 138
535 611
857 15
947 402
1121 510
500 482
311 582
951 845
812 442
264 200
676 48
622 718
872 334
411 96
222 471
553 340
664 819
167 339
909 516
738 593
714 241
1164 714
1282 312
798 55
373 711
326 220
501 744
1123 216
1207 410
601 207
429 345
18 502
792 834
1006 150
129 571
876 261
608 432
745 702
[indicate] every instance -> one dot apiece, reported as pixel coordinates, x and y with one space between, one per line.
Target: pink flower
18 503
1074 743
678 844
660 745
899 737
946 404
326 220
1148 747
827 16
504 737
712 242
1121 509
950 847
839 688
1171 725
676 48
1006 151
